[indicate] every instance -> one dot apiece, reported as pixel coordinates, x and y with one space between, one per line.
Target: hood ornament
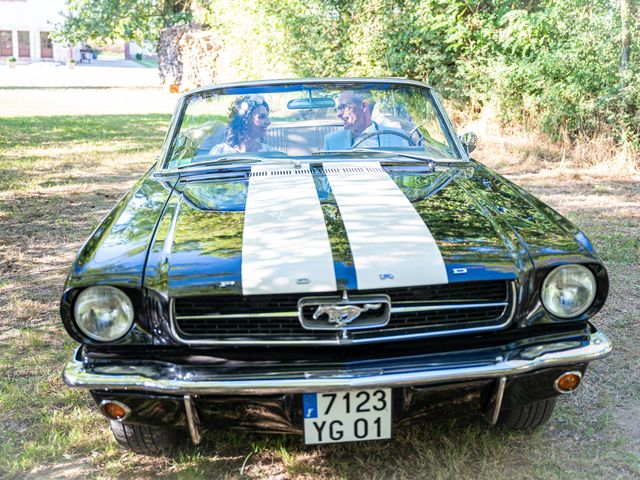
341 315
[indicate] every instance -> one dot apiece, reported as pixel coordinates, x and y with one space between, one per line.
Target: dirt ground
54 192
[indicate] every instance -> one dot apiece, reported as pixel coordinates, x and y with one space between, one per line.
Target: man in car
354 109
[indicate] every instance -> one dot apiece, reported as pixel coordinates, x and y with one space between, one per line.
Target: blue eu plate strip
310 404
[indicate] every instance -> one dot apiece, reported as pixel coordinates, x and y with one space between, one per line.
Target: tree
104 20
627 15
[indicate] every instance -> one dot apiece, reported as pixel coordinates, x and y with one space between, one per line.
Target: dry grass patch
517 150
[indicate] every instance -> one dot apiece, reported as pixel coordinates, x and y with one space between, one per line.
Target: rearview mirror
311 102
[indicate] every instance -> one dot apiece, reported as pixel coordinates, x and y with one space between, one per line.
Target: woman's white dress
226 148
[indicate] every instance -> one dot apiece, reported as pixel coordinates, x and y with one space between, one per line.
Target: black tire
527 417
146 440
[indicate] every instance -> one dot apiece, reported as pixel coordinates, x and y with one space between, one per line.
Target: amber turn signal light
568 382
114 410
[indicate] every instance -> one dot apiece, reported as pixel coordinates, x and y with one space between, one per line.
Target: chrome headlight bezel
116 308
583 279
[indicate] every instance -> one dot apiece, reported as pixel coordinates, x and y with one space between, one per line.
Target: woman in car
248 123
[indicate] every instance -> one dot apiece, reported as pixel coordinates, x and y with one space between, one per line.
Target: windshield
299 120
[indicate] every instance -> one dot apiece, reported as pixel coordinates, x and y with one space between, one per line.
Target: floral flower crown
247 104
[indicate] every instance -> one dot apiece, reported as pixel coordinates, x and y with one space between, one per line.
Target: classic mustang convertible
323 257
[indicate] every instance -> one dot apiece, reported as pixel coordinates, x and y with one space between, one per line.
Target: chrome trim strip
305 81
237 315
295 314
340 339
140 377
193 420
446 307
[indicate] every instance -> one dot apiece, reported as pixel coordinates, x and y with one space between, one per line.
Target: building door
46 47
24 49
6 44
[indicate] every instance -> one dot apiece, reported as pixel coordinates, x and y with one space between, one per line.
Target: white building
25 31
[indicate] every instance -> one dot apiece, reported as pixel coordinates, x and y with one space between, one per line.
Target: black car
323 257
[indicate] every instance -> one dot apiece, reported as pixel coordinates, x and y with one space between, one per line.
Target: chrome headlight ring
568 290
103 313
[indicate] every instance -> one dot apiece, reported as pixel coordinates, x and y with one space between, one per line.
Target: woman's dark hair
239 115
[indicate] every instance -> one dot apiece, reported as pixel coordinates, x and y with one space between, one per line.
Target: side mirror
469 141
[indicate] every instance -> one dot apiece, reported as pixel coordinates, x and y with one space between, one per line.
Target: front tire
146 440
527 417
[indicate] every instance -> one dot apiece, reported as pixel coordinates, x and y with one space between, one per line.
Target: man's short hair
362 95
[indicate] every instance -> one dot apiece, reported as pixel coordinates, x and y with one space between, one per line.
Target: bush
138 56
552 66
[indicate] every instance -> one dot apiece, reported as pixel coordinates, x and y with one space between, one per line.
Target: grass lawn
61 174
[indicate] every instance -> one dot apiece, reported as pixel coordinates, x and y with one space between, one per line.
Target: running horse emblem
341 315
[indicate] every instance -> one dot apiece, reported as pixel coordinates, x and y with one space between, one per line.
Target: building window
46 47
24 49
6 44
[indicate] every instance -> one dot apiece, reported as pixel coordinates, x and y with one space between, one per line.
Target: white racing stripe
285 244
390 243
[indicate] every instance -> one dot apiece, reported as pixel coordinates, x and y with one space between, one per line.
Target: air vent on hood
280 172
347 170
302 171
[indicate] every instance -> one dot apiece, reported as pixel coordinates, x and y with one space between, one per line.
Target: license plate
347 416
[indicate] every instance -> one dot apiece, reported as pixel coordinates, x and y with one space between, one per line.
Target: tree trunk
187 56
199 49
627 14
169 61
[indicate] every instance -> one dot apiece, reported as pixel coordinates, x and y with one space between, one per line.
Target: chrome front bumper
164 378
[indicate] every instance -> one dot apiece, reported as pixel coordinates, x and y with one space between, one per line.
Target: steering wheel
385 132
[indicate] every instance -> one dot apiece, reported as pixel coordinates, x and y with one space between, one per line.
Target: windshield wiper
381 152
422 158
239 159
398 154
348 151
222 161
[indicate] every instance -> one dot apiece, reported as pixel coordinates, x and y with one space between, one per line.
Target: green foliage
102 20
570 84
252 40
553 65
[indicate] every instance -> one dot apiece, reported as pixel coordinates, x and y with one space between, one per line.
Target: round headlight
103 313
568 290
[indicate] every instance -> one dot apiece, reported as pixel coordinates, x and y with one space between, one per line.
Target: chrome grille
416 311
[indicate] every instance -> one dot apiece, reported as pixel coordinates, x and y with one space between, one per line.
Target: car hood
332 228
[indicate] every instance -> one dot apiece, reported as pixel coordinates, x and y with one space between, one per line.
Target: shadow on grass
451 441
20 135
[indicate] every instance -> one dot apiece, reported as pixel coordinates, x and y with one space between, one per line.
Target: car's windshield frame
165 156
